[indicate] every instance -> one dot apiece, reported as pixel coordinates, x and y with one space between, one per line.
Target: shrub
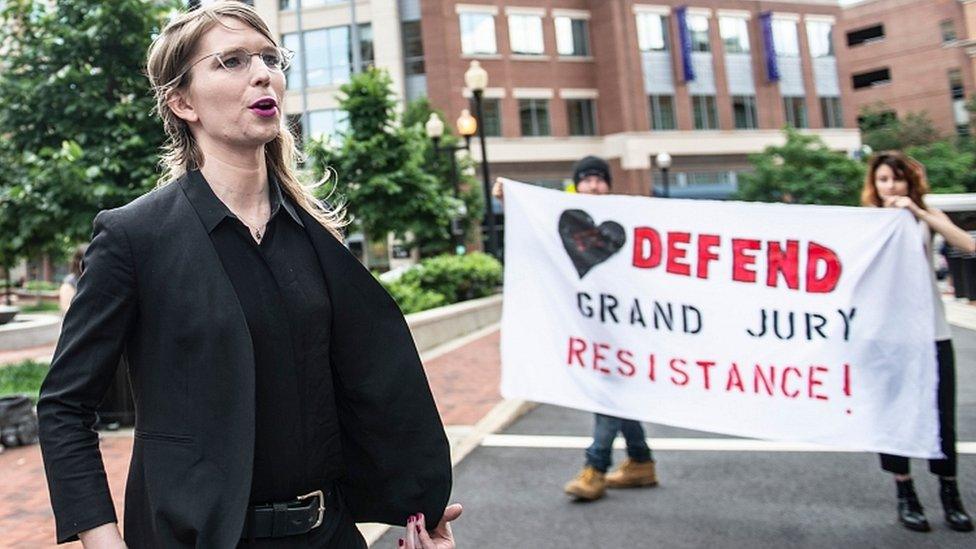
413 299
457 278
446 279
22 378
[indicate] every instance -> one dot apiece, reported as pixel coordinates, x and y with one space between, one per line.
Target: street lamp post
466 126
663 161
476 79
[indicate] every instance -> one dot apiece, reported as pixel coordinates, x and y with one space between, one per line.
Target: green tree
75 116
437 163
882 130
947 168
378 167
803 171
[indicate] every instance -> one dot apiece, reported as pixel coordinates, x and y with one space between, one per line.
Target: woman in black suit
279 396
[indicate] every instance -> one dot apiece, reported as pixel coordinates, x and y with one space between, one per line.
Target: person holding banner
591 175
895 180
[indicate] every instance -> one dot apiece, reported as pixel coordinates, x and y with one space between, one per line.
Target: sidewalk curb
502 415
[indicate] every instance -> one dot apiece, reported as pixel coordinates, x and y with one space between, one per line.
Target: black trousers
899 465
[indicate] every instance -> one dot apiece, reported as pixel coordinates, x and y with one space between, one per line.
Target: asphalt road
513 495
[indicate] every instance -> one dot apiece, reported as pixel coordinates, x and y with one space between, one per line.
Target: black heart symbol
587 244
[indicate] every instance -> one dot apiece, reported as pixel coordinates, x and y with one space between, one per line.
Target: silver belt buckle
321 495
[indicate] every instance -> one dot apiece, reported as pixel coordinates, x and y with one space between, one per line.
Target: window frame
588 122
473 40
535 107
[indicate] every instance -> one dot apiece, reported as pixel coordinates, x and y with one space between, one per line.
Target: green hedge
41 286
22 378
446 279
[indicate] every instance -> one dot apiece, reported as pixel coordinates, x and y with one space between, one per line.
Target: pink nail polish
400 543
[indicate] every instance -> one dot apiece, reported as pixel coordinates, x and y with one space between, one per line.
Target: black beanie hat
592 165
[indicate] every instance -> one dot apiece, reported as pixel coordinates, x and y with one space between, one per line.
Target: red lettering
783 262
847 379
826 282
597 357
647 248
812 382
675 254
705 365
743 262
734 380
577 347
786 372
768 383
675 369
650 370
705 254
625 358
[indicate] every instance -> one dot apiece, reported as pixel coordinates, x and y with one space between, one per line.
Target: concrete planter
29 330
7 313
437 326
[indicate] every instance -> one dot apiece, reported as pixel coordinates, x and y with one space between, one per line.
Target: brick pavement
44 352
465 386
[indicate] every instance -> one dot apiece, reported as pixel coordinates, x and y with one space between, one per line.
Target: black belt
298 516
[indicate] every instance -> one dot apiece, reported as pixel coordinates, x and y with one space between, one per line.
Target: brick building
614 78
911 56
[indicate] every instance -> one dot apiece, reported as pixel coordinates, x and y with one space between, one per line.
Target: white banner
780 322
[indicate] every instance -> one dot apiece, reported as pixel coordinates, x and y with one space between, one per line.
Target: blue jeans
605 430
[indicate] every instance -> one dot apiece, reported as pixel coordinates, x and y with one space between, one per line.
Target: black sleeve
86 358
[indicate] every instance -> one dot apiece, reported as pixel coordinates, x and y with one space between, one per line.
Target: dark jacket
154 289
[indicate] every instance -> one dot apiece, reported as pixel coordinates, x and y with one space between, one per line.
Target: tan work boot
589 484
632 474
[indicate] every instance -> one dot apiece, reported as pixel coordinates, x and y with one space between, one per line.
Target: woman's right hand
497 191
105 536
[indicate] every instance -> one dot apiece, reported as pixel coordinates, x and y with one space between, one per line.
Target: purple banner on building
684 38
769 46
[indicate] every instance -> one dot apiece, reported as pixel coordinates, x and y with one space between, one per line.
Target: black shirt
283 295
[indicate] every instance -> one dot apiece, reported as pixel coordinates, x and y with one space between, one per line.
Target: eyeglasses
239 59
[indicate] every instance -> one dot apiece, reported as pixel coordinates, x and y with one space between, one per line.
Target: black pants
899 465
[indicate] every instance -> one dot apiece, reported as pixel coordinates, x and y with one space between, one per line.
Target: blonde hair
169 57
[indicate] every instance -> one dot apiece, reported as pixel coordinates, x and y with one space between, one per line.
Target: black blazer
154 289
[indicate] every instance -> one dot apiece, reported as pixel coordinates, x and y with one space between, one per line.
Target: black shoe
955 515
910 512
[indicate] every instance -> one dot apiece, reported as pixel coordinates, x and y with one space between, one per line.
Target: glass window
525 34
661 110
796 111
413 47
698 31
735 34
785 38
820 35
290 4
652 32
572 36
744 112
871 78
866 35
329 123
703 109
329 59
491 109
534 117
830 110
365 45
478 33
293 76
959 111
948 30
582 116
